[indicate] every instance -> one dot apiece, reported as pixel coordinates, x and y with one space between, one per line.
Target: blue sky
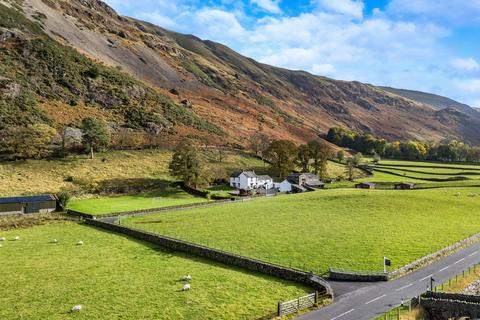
427 45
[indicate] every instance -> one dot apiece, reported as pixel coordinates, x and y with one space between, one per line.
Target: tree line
451 151
40 141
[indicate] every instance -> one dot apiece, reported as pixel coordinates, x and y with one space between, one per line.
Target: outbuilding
404 186
365 185
28 205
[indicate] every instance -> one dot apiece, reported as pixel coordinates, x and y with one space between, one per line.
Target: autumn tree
350 169
320 152
281 154
303 158
259 143
341 155
187 165
34 141
95 135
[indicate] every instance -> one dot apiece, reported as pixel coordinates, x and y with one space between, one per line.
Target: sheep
17 238
186 287
76 308
55 241
187 277
80 243
1 245
3 239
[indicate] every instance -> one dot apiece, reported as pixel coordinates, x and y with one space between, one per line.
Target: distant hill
142 77
435 101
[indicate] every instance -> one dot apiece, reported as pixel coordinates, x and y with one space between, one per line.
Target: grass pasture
104 205
341 228
115 277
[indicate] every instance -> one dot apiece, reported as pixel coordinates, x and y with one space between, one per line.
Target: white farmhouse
248 180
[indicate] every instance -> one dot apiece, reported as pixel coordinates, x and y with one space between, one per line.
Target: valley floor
115 277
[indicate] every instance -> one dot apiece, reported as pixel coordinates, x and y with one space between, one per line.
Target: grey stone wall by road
441 306
433 256
339 275
309 279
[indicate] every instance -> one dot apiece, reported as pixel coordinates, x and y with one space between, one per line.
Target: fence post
279 311
316 297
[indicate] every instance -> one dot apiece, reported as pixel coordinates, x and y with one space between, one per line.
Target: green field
114 277
341 228
104 205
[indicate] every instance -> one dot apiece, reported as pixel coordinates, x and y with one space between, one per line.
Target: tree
186 164
357 159
341 155
259 143
350 169
95 135
34 141
320 153
376 158
64 199
281 154
303 158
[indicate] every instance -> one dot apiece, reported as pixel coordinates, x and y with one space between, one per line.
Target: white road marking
404 287
443 269
472 254
429 276
378 298
459 260
343 314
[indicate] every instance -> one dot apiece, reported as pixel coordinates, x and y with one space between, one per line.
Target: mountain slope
433 100
235 93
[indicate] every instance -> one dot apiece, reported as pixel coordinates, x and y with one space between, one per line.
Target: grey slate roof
264 177
27 199
249 174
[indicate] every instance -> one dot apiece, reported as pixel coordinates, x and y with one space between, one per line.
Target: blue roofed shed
28 204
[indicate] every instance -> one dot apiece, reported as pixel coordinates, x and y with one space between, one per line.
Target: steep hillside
433 100
193 79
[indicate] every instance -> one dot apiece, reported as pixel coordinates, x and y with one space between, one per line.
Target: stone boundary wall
347 275
433 256
450 305
339 275
309 279
160 209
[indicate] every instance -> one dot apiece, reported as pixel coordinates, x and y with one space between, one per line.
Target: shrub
64 199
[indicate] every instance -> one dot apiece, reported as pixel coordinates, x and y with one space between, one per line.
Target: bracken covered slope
229 91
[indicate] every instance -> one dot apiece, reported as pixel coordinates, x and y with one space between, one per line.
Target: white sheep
186 287
76 308
80 243
1 245
17 238
187 277
55 241
3 239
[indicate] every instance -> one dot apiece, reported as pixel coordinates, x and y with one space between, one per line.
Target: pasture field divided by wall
341 228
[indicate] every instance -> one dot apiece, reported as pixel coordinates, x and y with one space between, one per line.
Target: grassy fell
114 277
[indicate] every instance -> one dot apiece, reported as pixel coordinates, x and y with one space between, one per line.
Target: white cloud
468 64
469 86
159 19
268 5
352 8
462 12
323 69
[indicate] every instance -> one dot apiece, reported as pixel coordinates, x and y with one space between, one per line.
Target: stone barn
28 205
404 186
365 185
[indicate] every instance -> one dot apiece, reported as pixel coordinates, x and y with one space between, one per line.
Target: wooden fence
296 305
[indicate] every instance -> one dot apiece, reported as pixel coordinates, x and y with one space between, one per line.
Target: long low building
28 205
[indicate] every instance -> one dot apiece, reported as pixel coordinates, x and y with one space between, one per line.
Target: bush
64 199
